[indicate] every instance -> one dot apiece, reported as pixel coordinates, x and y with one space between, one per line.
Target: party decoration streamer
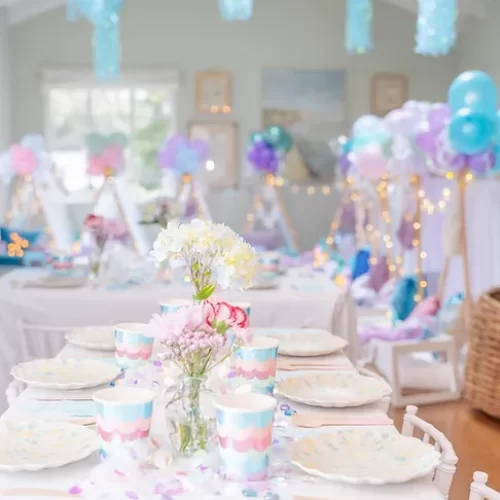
236 10
436 32
104 15
359 26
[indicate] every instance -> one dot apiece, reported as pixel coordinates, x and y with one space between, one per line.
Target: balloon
256 137
368 124
439 116
345 165
470 132
263 157
24 160
481 163
371 162
496 135
278 137
474 90
202 149
425 139
401 121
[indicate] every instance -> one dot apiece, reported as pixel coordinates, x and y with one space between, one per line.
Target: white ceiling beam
24 10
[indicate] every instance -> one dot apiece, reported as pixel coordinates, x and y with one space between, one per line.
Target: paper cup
245 434
132 347
269 264
123 418
61 263
174 305
255 365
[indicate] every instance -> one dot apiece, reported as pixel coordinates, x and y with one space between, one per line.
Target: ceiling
22 10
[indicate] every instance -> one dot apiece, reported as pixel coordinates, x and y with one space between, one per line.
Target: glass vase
191 429
95 264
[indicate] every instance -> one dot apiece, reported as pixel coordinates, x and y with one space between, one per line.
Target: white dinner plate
334 389
364 456
58 282
65 374
265 285
43 445
100 338
304 343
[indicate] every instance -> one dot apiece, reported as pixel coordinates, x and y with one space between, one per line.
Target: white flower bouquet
214 255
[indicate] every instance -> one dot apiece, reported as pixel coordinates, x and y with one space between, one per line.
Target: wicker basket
482 375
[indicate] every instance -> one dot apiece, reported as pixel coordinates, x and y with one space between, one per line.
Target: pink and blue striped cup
61 263
132 346
171 306
123 418
254 365
245 434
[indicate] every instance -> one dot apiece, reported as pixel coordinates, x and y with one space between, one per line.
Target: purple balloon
167 156
263 157
439 116
458 162
402 121
481 163
345 165
202 149
425 139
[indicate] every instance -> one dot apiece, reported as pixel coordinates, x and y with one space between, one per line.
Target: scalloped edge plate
91 367
291 389
309 342
72 454
430 459
82 337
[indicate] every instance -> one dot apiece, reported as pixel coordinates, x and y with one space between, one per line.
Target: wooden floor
475 437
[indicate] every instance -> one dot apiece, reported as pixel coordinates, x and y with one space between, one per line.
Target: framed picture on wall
220 170
213 92
389 91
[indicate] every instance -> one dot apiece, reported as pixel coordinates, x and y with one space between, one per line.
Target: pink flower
224 313
93 221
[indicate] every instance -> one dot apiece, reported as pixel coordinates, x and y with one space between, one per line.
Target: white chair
479 490
445 471
443 344
36 341
398 363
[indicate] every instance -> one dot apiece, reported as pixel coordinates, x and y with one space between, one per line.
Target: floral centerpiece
102 230
196 340
213 253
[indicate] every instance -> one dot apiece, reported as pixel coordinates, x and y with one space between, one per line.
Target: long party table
63 478
303 299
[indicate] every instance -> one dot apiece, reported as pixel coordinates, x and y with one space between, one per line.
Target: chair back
479 490
443 476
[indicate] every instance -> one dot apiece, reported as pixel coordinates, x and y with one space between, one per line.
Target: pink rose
93 222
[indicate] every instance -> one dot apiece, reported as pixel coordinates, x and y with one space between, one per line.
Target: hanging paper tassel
104 15
358 38
236 10
436 33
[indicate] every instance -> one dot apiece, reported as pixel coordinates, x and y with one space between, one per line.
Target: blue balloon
347 146
496 134
361 141
474 90
470 132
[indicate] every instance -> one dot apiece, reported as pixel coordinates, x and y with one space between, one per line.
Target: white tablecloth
65 477
302 300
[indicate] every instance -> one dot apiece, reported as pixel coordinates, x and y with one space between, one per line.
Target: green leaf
205 293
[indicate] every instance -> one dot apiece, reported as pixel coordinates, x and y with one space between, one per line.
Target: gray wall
190 36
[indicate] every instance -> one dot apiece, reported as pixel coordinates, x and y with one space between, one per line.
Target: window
142 107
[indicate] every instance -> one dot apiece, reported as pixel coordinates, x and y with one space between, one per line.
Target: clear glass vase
191 429
95 264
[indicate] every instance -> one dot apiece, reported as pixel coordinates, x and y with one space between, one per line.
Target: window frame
67 78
